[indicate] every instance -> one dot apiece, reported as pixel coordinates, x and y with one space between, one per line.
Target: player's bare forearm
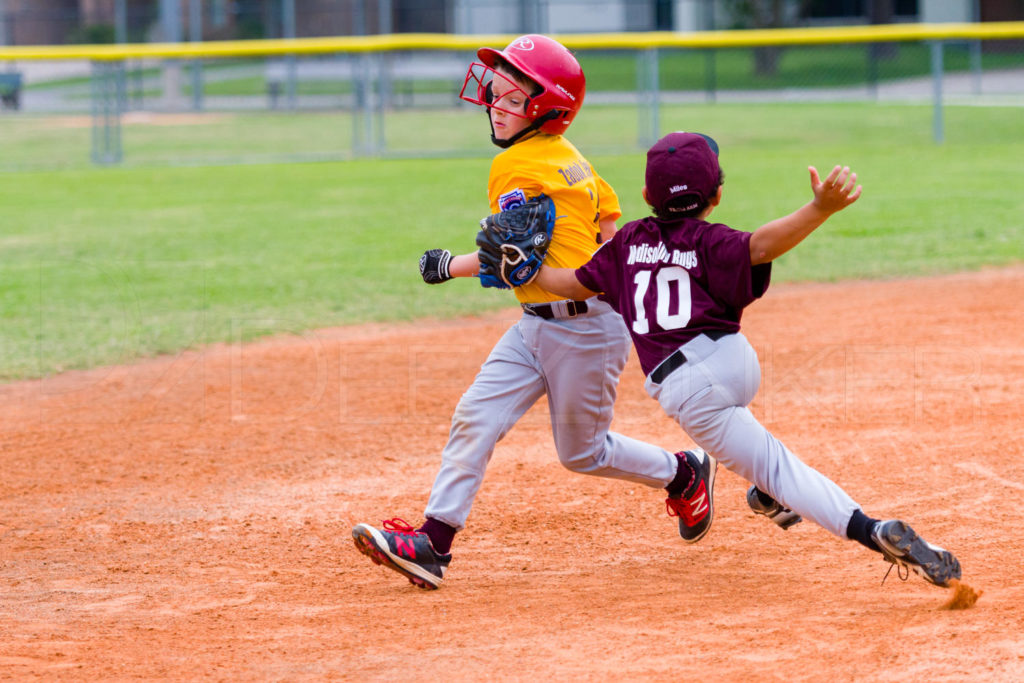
775 238
831 195
563 282
608 229
438 265
464 265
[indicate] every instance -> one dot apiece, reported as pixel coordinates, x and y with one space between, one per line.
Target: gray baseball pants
708 396
576 362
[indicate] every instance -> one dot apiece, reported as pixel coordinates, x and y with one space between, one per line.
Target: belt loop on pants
557 310
677 358
668 366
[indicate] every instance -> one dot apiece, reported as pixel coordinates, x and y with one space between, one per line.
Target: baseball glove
512 244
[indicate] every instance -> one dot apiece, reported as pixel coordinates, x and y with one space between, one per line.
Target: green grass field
103 266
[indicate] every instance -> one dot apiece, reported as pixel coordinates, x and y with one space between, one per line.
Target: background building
27 22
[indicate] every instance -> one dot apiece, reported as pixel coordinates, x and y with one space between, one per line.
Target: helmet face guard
478 88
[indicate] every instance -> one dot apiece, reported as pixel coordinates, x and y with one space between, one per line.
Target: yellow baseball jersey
551 165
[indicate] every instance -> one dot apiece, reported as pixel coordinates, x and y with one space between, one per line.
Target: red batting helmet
549 64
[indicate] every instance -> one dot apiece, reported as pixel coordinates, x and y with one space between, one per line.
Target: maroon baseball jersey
672 280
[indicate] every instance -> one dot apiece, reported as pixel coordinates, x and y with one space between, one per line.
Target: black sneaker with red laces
695 508
399 547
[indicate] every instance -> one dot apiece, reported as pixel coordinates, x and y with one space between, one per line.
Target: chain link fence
404 102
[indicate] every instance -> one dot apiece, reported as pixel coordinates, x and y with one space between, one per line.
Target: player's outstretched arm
465 265
563 282
438 265
835 193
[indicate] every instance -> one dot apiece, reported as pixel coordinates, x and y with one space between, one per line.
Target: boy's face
510 118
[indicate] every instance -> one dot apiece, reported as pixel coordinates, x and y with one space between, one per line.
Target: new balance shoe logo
697 511
401 548
699 504
405 546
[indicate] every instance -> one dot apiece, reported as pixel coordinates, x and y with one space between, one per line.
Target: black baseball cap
682 165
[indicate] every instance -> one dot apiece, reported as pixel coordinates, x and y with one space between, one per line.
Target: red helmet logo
524 43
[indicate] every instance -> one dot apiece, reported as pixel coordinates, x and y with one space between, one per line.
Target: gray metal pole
707 21
365 88
529 16
359 94
195 31
121 36
288 18
291 68
170 23
96 107
120 21
120 97
359 17
363 139
107 86
975 49
655 95
710 75
170 20
384 63
937 69
463 17
379 67
649 124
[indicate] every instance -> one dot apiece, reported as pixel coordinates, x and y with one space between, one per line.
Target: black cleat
774 511
903 547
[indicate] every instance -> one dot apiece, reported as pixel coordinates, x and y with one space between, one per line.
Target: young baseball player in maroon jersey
572 351
681 284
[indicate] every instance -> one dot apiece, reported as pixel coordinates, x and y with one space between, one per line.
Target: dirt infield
189 517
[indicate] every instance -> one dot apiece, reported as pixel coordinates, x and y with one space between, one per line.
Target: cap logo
678 188
523 44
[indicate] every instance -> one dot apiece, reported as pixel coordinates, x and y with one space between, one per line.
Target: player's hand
837 191
434 266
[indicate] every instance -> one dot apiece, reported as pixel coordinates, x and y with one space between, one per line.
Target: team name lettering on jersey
575 172
649 253
685 259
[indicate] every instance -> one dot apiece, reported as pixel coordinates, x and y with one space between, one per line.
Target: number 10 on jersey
669 281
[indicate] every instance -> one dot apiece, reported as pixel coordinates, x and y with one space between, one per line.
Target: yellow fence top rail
582 41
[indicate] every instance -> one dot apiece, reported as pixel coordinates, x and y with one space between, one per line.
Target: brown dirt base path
189 517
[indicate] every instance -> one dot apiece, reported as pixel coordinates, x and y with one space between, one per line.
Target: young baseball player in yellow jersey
587 206
572 351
